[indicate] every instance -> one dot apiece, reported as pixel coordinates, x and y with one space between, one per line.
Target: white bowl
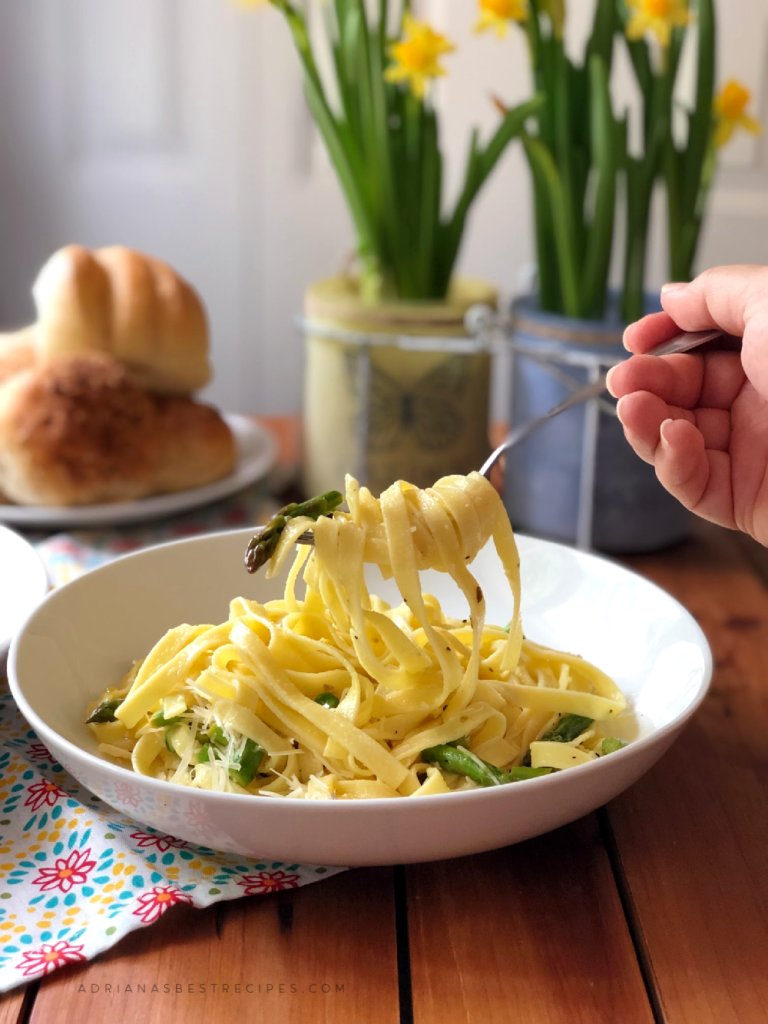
23 584
85 635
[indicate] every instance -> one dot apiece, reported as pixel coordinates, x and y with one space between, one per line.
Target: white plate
23 584
256 455
86 634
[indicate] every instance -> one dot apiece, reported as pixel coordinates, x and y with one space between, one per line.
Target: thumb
735 299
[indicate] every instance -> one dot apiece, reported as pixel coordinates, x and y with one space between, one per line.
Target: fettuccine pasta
333 694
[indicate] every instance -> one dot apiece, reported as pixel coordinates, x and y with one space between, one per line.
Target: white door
179 127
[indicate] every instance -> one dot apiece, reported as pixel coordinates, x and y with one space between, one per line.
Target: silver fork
683 342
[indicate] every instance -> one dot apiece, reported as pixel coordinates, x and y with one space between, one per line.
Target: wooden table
653 909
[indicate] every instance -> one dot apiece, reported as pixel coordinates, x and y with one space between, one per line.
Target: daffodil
658 17
730 106
497 14
416 56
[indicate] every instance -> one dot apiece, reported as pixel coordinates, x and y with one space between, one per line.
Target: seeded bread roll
79 430
133 306
17 352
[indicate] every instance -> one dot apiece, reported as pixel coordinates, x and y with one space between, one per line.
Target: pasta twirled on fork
334 694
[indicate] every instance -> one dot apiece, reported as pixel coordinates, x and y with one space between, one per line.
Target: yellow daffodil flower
416 56
730 106
659 17
497 14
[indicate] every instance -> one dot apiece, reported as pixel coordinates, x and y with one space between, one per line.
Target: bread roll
197 445
79 430
17 352
135 307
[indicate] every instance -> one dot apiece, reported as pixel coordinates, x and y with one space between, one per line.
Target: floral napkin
76 875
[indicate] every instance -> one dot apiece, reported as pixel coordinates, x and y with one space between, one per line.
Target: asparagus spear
524 771
249 761
262 545
105 712
159 720
217 735
567 729
328 700
460 761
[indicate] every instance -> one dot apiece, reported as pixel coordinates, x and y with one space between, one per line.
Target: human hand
702 419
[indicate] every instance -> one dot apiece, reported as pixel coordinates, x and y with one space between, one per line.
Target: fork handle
593 390
684 342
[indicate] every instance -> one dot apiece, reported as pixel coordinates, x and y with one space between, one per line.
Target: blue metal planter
576 479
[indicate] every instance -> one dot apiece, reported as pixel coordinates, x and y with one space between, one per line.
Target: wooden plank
534 934
11 1006
692 836
324 953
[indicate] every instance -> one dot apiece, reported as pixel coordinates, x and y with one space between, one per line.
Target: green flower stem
689 174
642 175
604 26
550 287
605 162
565 152
639 192
338 142
579 156
480 164
384 145
700 125
545 168
674 213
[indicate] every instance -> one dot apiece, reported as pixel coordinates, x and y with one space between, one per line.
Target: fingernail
608 381
618 409
624 337
664 439
673 286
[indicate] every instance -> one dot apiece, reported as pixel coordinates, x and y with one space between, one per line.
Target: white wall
179 127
